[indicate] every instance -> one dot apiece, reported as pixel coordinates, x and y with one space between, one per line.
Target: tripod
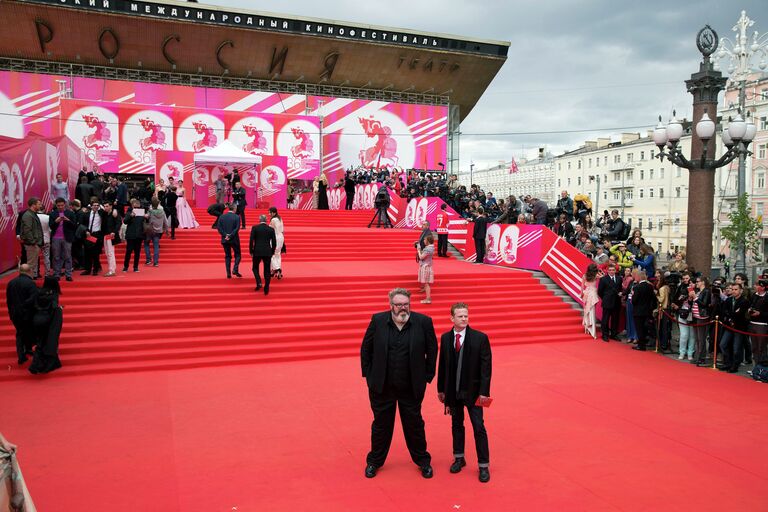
381 213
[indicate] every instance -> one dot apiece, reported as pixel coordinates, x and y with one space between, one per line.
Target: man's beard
402 316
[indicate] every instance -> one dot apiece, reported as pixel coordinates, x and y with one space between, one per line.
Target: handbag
283 250
80 232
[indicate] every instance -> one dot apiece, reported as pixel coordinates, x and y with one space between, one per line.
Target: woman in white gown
183 210
276 222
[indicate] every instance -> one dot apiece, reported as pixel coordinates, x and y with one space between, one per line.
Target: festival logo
199 132
410 213
421 212
173 170
248 178
299 141
145 133
253 135
200 176
381 140
272 177
334 198
13 121
94 129
508 244
6 190
492 236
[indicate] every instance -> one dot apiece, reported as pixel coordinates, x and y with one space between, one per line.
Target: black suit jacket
229 225
423 349
238 197
263 241
610 291
19 292
476 367
481 226
643 299
69 226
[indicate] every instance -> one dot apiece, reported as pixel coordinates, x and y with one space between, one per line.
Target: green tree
744 229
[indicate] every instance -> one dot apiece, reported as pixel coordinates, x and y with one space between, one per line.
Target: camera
382 199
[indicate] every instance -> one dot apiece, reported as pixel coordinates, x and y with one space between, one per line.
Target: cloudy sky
593 68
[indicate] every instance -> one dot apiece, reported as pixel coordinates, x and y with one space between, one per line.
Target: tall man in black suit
643 303
464 380
238 199
21 290
398 358
169 207
261 247
478 233
229 229
609 290
349 189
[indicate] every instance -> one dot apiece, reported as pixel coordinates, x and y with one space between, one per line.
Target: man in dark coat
229 229
478 234
63 224
643 303
464 380
169 207
19 295
398 358
261 247
609 291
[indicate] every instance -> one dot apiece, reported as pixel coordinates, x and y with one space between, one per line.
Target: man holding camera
734 317
758 320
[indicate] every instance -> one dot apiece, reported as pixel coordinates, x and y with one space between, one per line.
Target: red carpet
579 425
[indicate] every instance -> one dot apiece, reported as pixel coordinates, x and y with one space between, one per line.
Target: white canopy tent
226 153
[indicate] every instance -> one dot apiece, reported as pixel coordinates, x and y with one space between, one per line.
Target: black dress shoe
605 338
22 360
733 370
458 463
642 349
85 273
237 274
426 471
229 276
266 290
69 278
485 475
258 287
370 471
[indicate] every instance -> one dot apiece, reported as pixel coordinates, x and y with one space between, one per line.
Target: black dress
322 196
47 320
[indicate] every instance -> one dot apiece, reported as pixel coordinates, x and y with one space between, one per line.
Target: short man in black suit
609 291
398 357
478 234
261 247
463 379
643 303
229 229
238 199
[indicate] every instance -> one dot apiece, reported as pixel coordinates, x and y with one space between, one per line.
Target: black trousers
132 246
92 252
442 244
350 200
241 213
609 323
480 249
25 337
641 328
383 406
266 261
229 248
478 427
173 220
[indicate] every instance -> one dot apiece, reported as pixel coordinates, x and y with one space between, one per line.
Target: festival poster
198 130
253 133
298 139
174 164
95 128
273 185
510 245
145 130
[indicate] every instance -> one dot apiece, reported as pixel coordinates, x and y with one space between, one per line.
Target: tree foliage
744 229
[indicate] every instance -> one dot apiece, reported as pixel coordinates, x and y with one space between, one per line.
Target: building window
569 182
597 162
605 195
605 178
590 163
642 155
658 247
759 209
652 153
650 192
678 172
661 193
661 174
760 181
630 174
616 176
761 151
661 224
642 174
579 180
558 184
650 224
650 174
641 193
616 195
578 164
764 123
558 166
605 160
630 157
569 166
628 193
640 224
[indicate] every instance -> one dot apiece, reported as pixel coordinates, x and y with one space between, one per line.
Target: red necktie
458 342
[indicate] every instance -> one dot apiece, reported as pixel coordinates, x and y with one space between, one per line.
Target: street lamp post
705 86
740 53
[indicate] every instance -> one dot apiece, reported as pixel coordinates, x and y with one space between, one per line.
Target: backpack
760 372
626 231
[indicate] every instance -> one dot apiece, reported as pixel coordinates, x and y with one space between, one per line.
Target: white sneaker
681 356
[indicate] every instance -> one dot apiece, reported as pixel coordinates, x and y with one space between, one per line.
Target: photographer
758 320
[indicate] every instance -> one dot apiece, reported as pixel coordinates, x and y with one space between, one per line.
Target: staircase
185 314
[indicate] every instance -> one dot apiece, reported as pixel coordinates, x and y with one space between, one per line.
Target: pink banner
508 245
273 182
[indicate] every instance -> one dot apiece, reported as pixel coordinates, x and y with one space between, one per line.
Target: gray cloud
572 65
